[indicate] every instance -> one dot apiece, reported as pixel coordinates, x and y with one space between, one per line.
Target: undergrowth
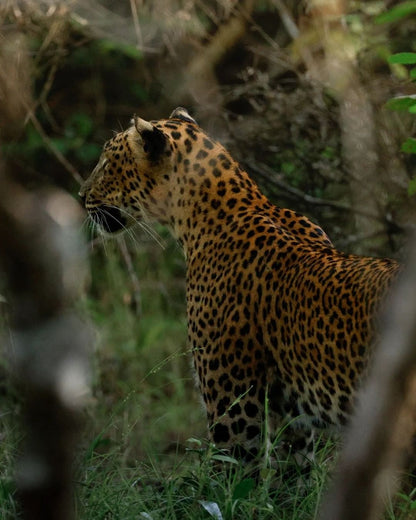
192 487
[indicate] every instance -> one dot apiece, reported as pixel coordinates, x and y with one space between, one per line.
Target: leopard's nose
82 197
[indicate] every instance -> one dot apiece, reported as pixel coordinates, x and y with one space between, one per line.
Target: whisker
147 228
150 231
97 227
100 236
124 228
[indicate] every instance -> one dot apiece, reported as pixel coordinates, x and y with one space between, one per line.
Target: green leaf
33 138
411 188
225 458
405 58
81 123
329 152
243 488
97 443
88 152
268 473
397 12
412 73
288 167
212 508
409 146
146 516
193 440
131 51
401 103
63 145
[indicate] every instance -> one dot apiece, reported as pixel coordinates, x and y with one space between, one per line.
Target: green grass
143 453
191 486
10 437
143 385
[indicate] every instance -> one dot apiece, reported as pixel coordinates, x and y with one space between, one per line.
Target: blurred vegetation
251 72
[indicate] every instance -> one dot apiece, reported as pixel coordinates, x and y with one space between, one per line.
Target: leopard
281 324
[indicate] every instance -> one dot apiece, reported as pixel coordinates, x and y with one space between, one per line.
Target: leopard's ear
154 140
182 113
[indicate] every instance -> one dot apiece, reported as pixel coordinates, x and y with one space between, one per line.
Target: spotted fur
275 312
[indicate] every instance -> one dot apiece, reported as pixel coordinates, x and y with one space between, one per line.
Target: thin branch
269 175
287 19
137 28
52 148
361 237
125 253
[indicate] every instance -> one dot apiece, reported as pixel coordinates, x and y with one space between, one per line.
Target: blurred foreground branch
383 427
42 266
42 263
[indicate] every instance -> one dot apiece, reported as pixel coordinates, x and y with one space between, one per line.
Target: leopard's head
132 180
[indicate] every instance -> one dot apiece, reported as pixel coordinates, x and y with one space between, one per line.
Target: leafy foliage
405 58
408 103
398 12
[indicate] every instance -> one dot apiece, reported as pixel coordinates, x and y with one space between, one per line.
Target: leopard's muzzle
108 218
